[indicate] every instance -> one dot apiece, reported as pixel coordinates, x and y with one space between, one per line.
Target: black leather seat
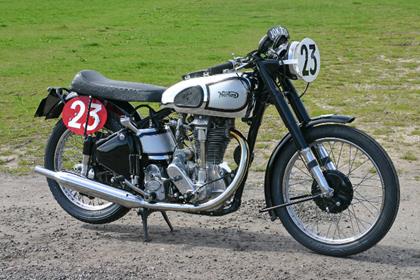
89 82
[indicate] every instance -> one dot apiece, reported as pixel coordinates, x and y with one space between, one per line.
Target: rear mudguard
52 105
286 139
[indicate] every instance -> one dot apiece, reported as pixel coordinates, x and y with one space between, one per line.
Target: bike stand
144 214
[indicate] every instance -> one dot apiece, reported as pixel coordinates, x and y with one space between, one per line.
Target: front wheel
366 193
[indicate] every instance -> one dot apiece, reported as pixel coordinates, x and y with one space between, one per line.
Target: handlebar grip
218 69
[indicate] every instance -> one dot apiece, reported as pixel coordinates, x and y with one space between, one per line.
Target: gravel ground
38 240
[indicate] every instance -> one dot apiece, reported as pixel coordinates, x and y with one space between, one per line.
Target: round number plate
308 60
75 113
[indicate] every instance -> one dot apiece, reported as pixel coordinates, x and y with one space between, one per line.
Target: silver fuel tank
223 95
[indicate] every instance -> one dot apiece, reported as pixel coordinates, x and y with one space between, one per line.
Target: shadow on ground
244 240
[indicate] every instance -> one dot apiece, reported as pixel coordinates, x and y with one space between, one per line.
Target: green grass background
370 53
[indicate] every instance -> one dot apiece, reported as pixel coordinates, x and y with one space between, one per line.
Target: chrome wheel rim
67 156
365 209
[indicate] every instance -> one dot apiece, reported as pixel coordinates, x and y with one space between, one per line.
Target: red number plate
75 113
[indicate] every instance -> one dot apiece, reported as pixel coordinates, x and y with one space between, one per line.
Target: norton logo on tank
229 93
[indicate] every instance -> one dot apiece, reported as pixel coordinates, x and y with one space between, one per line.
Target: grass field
370 53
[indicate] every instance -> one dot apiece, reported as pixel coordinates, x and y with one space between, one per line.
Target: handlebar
237 63
218 69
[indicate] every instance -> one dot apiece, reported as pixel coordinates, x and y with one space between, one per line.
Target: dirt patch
38 240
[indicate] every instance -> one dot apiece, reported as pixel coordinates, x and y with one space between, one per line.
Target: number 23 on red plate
75 113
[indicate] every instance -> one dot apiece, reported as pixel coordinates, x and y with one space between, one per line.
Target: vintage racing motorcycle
332 186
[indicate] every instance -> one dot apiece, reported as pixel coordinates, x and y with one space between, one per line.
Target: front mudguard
52 105
324 119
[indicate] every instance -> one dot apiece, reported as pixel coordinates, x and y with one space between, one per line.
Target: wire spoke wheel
68 158
366 202
366 192
64 152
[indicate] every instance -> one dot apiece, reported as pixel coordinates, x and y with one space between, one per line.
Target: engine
217 139
182 160
198 172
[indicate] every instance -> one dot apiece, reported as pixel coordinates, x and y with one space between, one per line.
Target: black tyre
64 152
366 198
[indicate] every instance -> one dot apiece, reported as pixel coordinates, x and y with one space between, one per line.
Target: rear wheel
64 153
366 193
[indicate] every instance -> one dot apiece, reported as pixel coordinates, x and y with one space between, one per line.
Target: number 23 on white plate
307 59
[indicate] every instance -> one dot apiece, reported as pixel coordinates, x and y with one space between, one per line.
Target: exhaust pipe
129 200
91 188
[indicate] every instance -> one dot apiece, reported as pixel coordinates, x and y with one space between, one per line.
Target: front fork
316 171
324 158
289 120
